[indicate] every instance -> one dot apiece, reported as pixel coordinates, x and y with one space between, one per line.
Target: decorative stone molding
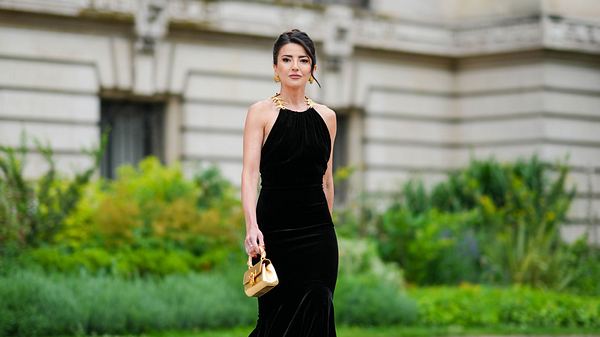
569 34
359 30
120 6
151 20
62 7
372 32
515 36
338 35
338 39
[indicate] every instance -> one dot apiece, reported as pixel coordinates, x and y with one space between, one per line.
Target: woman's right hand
254 239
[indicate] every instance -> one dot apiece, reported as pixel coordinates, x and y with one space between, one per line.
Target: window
135 130
340 156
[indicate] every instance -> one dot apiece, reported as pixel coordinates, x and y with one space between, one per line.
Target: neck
293 97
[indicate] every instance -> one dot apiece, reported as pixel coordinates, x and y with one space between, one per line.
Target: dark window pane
340 155
135 131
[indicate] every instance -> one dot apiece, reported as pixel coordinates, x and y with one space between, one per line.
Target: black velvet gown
299 233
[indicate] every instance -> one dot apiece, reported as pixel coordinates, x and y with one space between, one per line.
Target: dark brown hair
301 38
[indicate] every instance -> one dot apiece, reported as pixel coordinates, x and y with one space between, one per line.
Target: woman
289 139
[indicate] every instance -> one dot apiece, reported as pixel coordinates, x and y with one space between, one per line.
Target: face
293 65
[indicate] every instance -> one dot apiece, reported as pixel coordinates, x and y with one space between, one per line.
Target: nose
295 65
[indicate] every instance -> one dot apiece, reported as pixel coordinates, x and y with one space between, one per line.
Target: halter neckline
280 104
298 112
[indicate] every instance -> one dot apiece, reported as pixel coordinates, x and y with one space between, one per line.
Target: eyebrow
292 56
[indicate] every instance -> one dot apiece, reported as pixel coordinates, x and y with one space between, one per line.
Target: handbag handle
263 255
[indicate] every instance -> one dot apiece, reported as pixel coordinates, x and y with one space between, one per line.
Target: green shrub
360 257
368 301
33 211
489 222
525 227
474 305
40 304
153 207
168 210
36 306
35 303
584 267
369 291
57 259
432 247
128 263
150 220
466 306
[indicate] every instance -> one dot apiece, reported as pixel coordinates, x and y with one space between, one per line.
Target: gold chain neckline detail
280 103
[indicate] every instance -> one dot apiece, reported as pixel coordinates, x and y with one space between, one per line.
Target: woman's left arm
330 118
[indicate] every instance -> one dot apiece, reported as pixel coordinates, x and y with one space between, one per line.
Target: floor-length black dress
299 233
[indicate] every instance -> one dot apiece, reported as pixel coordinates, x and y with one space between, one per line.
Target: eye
285 59
304 61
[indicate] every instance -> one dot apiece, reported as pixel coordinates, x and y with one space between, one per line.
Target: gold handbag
261 277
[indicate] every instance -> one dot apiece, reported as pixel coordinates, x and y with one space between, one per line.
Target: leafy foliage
370 291
44 304
151 220
476 305
33 211
489 222
432 247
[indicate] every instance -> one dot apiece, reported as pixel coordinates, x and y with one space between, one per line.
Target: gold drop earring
276 78
311 79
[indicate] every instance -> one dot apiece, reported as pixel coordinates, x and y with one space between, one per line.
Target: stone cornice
365 30
568 34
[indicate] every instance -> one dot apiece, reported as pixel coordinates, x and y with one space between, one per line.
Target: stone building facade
418 86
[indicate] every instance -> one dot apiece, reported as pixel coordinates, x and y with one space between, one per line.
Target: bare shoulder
261 106
259 111
327 113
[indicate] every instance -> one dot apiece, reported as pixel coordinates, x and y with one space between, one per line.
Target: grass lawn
396 331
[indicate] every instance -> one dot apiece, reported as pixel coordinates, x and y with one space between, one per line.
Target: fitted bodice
296 151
